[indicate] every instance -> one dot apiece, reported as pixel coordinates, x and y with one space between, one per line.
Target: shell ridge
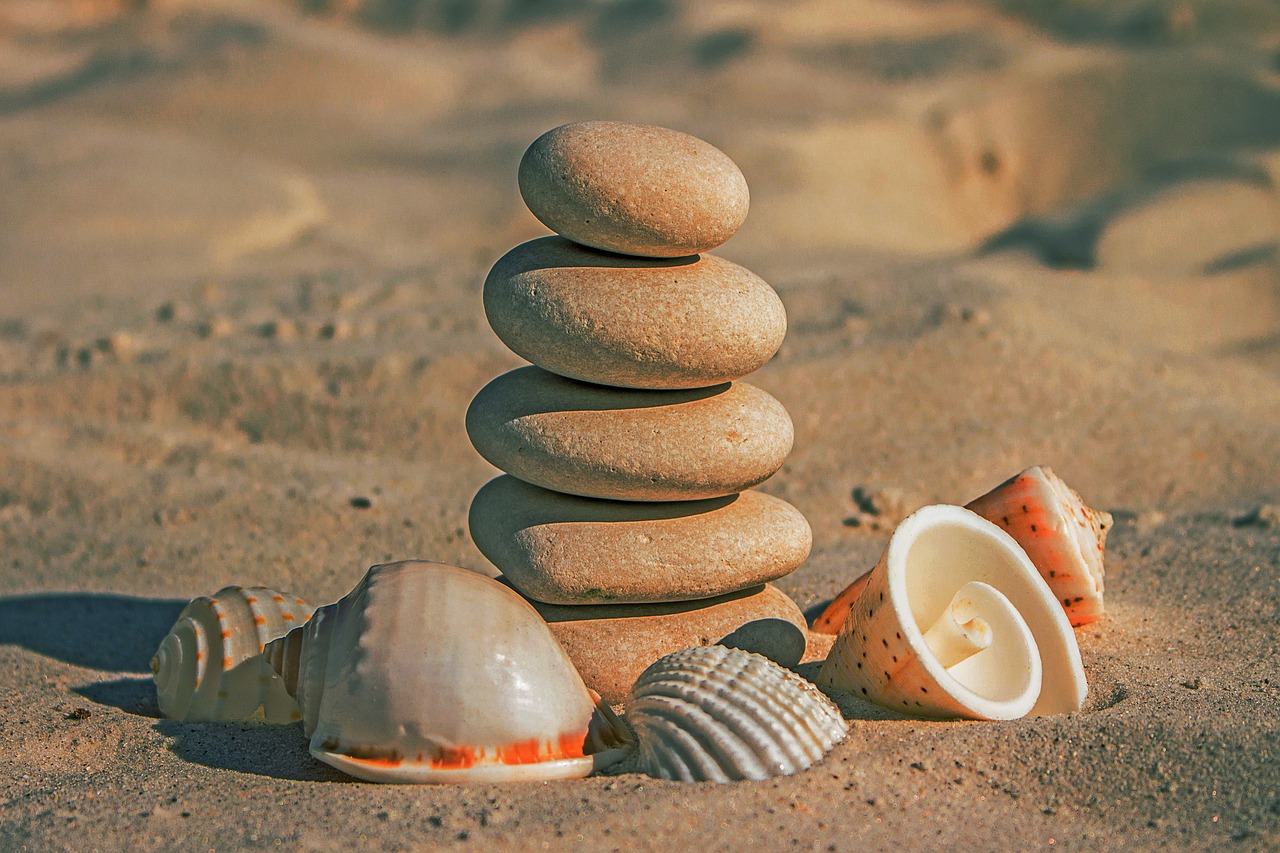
691 739
209 619
202 650
718 735
746 689
785 716
245 690
749 716
770 720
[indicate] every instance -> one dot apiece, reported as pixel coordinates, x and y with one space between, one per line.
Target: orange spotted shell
210 666
1064 538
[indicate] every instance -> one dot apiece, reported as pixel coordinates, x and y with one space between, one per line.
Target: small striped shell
718 714
210 666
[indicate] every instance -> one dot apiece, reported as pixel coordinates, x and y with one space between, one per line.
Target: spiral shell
210 666
1064 538
955 621
431 673
718 714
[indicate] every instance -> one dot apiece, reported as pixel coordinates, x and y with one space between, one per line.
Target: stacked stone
630 446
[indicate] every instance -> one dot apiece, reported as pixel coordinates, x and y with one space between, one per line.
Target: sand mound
242 250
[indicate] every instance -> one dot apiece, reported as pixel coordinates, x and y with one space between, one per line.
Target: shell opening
1004 676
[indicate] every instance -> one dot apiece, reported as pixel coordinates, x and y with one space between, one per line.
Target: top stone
634 189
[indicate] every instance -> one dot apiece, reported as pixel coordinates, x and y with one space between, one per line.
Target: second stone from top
633 322
634 189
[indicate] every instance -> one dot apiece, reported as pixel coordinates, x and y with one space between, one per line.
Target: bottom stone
612 644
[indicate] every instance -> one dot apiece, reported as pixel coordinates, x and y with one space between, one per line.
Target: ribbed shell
717 714
210 666
1064 538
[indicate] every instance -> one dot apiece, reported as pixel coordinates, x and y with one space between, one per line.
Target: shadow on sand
119 634
260 749
113 633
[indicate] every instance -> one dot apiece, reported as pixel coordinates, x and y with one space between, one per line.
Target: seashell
718 714
955 621
832 617
210 666
432 673
1064 538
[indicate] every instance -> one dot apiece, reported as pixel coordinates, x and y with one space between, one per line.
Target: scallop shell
1064 538
718 714
210 666
955 621
432 673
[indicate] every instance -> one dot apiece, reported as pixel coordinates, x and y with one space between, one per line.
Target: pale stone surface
570 550
633 188
612 644
602 442
633 322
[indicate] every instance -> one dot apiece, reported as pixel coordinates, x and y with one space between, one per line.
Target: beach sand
241 256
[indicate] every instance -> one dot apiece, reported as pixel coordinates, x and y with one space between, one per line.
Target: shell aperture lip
881 653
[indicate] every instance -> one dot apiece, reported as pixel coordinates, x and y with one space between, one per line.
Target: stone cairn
626 516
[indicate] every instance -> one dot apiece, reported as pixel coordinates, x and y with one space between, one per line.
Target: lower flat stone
624 444
564 549
612 644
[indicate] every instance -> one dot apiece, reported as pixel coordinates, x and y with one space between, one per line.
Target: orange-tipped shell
431 673
1064 538
837 611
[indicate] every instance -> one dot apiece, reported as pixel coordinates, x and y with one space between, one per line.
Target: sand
241 259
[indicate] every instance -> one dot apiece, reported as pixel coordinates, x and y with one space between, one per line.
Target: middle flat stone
564 549
604 442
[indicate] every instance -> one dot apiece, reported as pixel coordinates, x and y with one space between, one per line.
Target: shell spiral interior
432 673
210 667
712 713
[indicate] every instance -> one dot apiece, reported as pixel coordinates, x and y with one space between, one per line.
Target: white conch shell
1064 538
917 612
210 667
432 673
718 714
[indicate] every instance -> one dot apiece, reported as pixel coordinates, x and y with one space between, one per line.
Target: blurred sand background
241 250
